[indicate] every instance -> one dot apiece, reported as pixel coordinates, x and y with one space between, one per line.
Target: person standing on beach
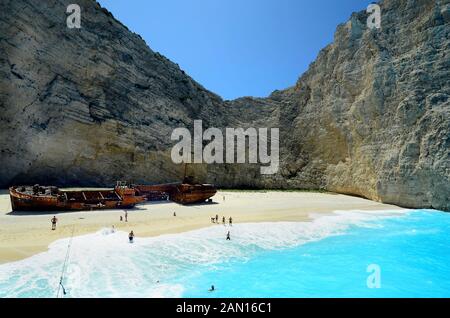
223 220
231 221
54 220
228 236
217 218
174 214
126 216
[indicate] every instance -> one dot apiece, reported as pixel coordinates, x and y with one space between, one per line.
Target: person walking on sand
131 237
126 216
54 220
230 220
228 236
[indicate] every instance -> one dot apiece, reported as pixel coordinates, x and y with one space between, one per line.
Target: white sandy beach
25 234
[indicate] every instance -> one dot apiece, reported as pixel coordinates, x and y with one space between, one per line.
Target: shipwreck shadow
200 204
148 203
28 213
156 203
137 208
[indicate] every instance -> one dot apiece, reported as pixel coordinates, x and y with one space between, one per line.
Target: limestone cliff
87 107
371 116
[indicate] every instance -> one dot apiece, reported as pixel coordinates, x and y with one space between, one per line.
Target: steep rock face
87 107
371 116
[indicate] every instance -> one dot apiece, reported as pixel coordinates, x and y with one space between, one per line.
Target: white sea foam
105 264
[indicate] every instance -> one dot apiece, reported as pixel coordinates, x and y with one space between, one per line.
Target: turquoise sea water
328 257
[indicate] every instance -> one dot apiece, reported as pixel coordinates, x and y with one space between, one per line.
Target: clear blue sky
237 48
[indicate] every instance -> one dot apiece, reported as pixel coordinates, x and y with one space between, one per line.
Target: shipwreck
186 192
49 198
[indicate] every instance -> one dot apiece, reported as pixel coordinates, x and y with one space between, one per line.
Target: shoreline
25 234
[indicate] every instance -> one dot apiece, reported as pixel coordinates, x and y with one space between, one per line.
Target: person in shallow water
230 220
131 237
228 236
212 288
54 220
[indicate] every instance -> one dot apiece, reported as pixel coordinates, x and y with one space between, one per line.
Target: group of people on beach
54 221
215 220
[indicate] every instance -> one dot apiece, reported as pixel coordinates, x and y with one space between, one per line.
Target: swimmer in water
212 288
131 237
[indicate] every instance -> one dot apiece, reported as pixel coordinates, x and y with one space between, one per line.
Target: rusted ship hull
178 192
192 197
25 198
24 202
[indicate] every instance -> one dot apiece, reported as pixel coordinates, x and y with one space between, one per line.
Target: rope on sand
60 285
